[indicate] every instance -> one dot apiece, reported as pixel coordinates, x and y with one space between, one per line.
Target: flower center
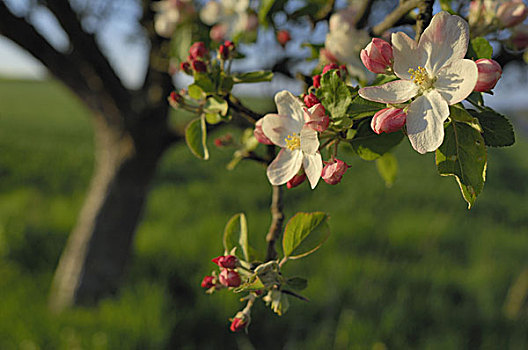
293 142
421 78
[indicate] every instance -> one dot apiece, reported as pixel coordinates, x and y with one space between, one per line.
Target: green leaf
196 137
387 166
334 95
458 113
195 91
361 108
369 145
463 155
497 130
253 284
252 77
479 48
300 226
476 98
297 283
236 235
215 104
205 82
213 118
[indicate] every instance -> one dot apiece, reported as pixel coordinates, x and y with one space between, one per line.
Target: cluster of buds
341 72
228 276
197 60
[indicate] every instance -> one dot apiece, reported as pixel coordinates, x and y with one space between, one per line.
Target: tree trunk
99 246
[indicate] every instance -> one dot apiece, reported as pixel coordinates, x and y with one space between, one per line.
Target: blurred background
405 267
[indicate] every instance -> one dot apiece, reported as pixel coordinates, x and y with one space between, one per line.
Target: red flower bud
240 321
388 120
198 50
330 67
511 13
296 180
186 68
227 261
208 282
333 171
317 81
199 66
230 278
175 97
310 100
489 73
377 56
259 134
283 37
316 117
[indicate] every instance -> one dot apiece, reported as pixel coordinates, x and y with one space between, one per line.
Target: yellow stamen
293 142
421 77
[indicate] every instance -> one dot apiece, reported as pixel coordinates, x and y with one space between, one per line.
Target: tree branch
395 16
238 107
424 17
277 217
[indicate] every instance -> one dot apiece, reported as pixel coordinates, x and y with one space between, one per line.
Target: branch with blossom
365 94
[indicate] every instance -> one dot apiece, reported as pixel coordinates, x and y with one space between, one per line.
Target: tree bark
98 248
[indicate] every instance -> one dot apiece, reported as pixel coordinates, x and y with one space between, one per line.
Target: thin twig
395 16
277 217
424 17
245 112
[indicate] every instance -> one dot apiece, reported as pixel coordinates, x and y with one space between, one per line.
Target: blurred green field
405 268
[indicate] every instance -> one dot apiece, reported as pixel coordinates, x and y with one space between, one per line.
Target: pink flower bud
227 261
316 118
176 97
240 321
230 278
208 282
519 38
226 49
283 37
259 134
333 171
511 13
317 81
198 50
186 68
330 67
218 32
489 73
377 56
310 100
296 180
388 120
199 66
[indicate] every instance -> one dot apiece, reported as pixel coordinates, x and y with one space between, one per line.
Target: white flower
298 140
345 42
169 13
230 13
435 73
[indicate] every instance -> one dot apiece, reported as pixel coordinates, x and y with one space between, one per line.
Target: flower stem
277 217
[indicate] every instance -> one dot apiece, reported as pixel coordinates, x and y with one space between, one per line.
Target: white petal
211 13
313 167
425 121
397 91
406 55
456 81
289 105
285 166
309 140
445 41
278 127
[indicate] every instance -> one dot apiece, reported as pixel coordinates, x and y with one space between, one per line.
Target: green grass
405 268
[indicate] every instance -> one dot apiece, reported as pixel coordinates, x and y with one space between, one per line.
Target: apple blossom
310 100
316 117
169 13
333 171
229 278
377 56
231 15
296 180
388 120
299 142
489 73
344 41
259 134
434 73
